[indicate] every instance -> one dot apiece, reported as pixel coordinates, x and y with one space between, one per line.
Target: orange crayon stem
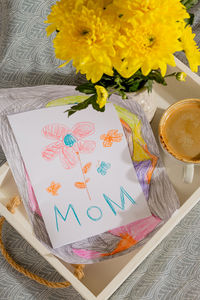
84 179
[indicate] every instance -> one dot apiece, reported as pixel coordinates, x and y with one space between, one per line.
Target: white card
81 171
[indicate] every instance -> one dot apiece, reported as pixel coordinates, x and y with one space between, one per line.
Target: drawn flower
111 137
53 188
68 142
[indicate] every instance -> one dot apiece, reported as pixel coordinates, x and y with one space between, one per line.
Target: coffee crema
180 130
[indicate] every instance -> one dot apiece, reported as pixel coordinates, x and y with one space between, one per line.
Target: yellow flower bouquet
121 46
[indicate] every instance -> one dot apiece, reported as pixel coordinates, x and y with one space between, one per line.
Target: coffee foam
180 130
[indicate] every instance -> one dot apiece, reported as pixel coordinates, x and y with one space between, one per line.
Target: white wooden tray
102 279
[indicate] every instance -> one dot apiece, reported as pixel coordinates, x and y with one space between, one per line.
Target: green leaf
95 105
122 94
80 106
190 20
87 88
135 86
156 76
120 85
149 85
138 74
189 3
71 112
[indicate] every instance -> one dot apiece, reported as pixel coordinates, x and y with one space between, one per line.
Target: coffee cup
179 134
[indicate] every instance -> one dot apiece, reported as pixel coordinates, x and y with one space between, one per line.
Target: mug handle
188 173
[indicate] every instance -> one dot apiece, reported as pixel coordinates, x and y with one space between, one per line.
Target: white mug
188 165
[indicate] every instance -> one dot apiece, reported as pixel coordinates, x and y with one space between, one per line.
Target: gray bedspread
172 271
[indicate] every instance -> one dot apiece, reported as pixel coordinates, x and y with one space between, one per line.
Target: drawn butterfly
103 168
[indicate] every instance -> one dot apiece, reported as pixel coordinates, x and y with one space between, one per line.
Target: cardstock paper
81 171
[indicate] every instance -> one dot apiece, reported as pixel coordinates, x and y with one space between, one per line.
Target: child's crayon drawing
67 151
53 188
82 185
110 137
103 168
69 144
87 167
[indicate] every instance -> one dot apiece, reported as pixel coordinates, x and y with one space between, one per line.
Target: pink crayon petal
83 129
86 146
88 254
69 143
51 151
55 131
68 157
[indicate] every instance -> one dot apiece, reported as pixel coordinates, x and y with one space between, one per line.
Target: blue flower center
69 140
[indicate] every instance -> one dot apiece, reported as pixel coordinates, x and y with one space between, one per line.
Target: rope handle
78 271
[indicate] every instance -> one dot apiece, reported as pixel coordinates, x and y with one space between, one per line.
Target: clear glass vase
146 100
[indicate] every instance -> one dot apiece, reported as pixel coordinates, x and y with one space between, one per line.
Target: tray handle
78 269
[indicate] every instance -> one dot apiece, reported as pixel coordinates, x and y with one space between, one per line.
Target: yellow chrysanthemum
181 76
191 49
147 48
60 12
102 95
162 10
151 30
87 38
126 35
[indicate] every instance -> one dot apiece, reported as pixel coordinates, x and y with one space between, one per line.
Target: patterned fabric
26 54
161 197
2 157
172 270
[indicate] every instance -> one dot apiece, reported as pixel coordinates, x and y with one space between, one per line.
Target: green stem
170 75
